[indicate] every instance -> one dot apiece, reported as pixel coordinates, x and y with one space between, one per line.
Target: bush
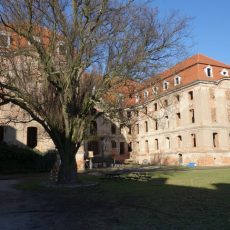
14 159
101 160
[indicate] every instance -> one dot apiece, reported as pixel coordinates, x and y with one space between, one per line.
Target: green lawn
171 199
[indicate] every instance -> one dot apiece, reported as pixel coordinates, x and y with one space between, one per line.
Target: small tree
65 57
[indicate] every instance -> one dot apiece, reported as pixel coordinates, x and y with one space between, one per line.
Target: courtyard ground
166 198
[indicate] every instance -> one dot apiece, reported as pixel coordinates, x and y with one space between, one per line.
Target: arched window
32 137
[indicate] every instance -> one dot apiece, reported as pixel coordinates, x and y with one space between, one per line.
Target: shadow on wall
8 134
107 140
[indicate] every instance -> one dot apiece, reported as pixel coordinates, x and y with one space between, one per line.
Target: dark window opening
128 114
193 140
156 125
1 133
146 126
113 144
93 128
137 127
113 129
122 148
192 115
156 144
130 147
93 146
32 137
155 106
209 72
190 93
215 140
178 98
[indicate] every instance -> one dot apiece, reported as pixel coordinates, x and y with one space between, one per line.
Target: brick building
177 117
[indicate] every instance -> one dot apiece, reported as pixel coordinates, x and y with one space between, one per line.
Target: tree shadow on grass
121 204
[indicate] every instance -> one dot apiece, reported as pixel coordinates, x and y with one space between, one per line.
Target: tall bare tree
64 56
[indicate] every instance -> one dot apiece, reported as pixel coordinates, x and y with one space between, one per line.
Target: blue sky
210 27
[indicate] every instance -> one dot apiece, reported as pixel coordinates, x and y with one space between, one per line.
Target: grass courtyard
169 199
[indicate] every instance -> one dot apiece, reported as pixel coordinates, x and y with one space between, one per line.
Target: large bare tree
64 56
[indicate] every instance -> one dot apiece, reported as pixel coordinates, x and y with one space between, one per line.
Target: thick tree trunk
68 168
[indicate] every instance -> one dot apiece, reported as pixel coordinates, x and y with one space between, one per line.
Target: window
137 98
145 110
165 85
192 117
166 122
179 141
178 119
190 95
156 144
146 146
224 72
113 144
167 142
155 90
122 148
113 128
130 148
146 126
93 128
137 128
208 71
177 80
156 125
180 159
146 93
137 113
165 103
1 133
155 106
36 38
32 137
5 40
215 140
61 49
137 147
193 136
129 114
177 98
129 129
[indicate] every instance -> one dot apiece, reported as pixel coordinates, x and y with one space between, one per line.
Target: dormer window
224 72
165 85
146 93
177 80
208 71
137 98
5 39
155 90
61 48
36 38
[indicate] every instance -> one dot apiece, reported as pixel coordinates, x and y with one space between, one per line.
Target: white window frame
224 72
155 90
137 98
146 94
177 78
206 71
8 38
165 83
